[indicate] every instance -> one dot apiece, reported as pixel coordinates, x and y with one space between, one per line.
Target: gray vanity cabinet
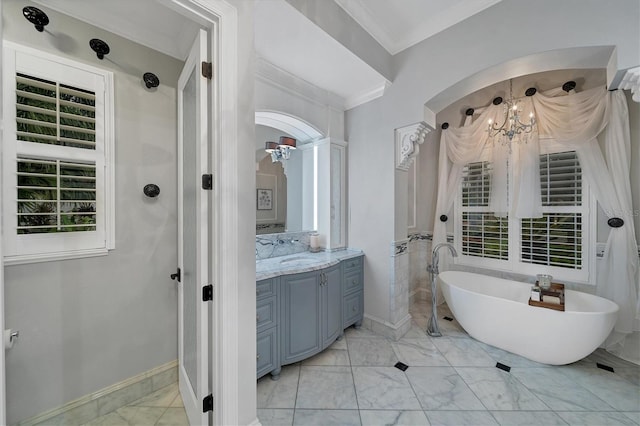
353 292
268 338
300 316
331 292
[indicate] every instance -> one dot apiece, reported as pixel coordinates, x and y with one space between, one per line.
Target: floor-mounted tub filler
496 311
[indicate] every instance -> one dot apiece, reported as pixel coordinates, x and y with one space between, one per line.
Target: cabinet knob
257 357
257 317
257 292
354 282
354 308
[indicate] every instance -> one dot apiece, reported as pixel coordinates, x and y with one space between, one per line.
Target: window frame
31 248
514 263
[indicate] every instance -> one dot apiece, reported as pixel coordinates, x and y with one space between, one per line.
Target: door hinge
207 293
207 70
177 275
207 403
207 181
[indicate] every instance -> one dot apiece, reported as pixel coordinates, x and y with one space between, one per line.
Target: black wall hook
151 190
100 47
150 80
36 17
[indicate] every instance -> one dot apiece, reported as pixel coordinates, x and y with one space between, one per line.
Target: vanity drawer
351 309
266 313
265 288
266 351
352 265
352 282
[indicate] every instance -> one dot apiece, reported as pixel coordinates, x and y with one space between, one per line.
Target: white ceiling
144 21
399 24
285 37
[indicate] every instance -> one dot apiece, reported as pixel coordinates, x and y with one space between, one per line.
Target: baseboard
393 331
106 400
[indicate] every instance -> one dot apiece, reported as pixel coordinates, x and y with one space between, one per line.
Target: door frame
232 345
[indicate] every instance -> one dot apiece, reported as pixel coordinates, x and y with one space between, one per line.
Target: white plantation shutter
483 234
57 192
556 238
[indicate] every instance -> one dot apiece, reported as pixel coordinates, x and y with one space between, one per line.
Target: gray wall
424 70
88 323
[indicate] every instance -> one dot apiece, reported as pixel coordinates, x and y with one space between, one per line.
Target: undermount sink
297 259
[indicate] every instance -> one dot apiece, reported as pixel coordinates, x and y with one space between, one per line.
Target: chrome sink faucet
432 328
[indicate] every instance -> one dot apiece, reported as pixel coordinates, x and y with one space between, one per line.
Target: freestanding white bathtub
496 311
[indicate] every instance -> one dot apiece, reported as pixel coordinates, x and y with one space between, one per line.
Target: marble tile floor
451 380
162 408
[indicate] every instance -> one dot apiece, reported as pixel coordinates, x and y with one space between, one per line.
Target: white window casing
58 132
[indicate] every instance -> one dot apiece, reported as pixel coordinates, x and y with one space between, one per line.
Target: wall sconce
36 17
100 47
150 80
282 150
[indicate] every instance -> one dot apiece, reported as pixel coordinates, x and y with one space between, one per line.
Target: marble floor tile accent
528 418
393 418
326 388
329 357
441 388
499 390
279 393
326 418
612 389
558 392
595 419
384 388
371 352
419 353
275 417
463 352
461 418
174 416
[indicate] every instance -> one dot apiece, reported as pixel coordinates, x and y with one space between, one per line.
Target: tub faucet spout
433 329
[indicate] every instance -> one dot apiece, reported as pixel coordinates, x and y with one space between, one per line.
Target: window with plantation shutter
57 157
557 243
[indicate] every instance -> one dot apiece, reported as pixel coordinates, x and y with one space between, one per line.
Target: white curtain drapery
573 121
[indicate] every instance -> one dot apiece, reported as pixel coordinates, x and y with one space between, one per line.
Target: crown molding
366 96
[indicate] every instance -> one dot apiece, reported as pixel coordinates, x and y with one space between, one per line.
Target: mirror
279 194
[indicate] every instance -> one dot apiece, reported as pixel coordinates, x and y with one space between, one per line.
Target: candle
314 241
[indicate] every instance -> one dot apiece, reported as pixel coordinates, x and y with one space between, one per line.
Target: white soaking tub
496 311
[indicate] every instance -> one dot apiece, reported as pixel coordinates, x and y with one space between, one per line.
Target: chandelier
282 150
512 129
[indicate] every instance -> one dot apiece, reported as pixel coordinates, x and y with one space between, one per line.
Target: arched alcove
591 57
301 130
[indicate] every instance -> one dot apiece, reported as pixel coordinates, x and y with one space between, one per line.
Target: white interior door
193 142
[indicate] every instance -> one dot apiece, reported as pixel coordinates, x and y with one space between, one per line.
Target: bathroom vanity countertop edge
301 262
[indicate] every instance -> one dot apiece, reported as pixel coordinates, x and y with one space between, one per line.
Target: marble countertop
301 262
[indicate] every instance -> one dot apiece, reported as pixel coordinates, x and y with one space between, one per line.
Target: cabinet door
331 305
300 321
